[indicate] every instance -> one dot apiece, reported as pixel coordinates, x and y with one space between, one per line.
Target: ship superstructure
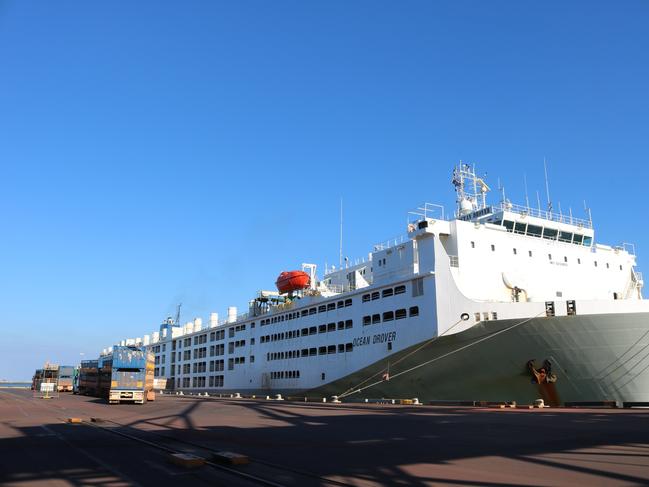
497 302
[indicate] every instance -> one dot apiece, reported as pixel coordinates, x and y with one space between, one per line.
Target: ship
495 302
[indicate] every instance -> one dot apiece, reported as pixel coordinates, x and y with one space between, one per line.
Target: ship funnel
198 324
214 319
232 314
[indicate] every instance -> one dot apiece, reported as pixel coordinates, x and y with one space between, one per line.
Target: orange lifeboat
292 281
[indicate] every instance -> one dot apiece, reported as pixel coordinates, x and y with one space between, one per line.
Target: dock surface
293 443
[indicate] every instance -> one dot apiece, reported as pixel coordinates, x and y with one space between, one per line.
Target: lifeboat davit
292 281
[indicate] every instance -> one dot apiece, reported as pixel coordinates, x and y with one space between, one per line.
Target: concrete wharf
293 443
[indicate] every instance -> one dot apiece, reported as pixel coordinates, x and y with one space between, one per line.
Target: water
16 384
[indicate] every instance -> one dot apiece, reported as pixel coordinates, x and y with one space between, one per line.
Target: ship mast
471 190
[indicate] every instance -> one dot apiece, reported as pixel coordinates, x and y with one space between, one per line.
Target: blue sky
158 152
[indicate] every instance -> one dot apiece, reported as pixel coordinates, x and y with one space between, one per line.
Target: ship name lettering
378 338
384 337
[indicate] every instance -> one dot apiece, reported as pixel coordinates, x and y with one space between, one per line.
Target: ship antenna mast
547 185
340 263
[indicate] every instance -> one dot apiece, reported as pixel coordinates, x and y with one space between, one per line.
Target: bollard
268 398
416 402
237 396
278 397
324 399
335 400
539 403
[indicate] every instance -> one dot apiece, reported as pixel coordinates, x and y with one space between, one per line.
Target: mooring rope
354 391
351 390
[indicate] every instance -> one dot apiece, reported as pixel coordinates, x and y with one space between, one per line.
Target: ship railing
393 242
428 210
628 247
546 215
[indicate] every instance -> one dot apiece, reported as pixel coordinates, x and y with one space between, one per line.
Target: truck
48 374
126 375
66 378
88 379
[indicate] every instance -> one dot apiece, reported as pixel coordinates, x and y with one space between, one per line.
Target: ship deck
293 443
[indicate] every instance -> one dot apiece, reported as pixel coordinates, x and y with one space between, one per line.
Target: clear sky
161 152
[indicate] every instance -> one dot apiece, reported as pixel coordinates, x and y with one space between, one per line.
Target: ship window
349 347
331 349
323 376
399 289
387 292
322 329
375 296
341 325
588 241
477 316
313 351
485 316
607 266
472 245
305 312
312 311
305 331
400 314
376 318
534 230
331 327
514 251
414 311
595 263
620 267
565 237
509 225
367 320
349 323
341 348
389 346
348 302
549 256
520 228
304 352
313 330
578 261
577 239
494 315
493 248
340 304
565 259
529 253
322 308
388 316
366 298
550 233
322 351
331 306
